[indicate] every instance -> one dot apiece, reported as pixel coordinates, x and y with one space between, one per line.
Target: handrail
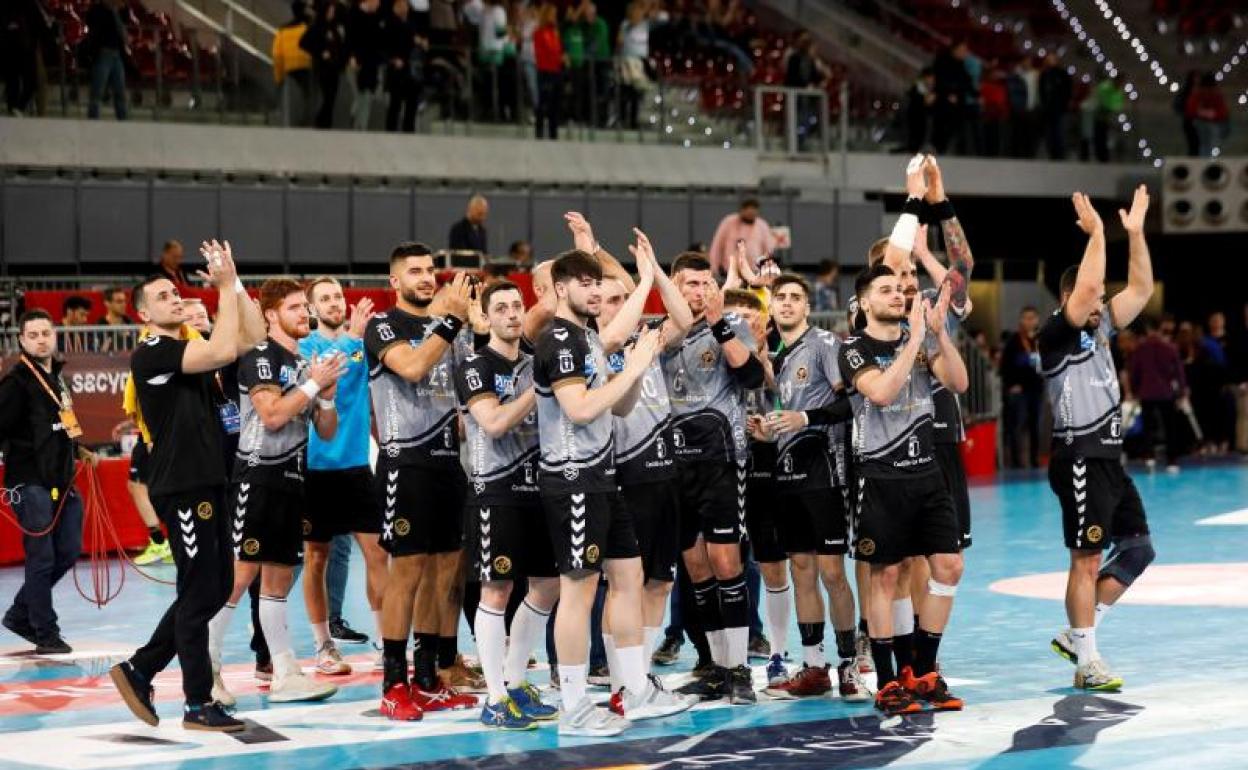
909 20
217 27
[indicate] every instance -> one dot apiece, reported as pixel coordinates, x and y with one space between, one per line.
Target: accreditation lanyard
64 406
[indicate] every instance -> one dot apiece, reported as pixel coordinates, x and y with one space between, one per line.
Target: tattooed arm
961 261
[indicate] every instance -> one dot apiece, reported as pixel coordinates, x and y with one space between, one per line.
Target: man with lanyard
280 394
904 508
1100 505
412 357
707 372
814 525
340 485
38 431
174 381
504 523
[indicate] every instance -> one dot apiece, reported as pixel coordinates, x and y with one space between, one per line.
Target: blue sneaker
529 701
776 672
506 715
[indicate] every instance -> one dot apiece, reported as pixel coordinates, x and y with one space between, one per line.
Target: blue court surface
1176 640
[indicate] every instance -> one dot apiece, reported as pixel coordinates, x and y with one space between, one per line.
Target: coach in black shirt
469 233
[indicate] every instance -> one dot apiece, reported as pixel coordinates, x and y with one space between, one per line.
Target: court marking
1175 585
1233 519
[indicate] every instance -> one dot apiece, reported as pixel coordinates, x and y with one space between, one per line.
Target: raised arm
1127 304
583 239
961 262
947 364
679 317
414 363
927 259
221 348
583 406
901 241
881 387
251 326
1090 281
625 322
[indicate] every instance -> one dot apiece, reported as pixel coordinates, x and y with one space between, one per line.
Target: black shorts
1099 502
712 502
813 522
422 508
900 517
587 527
760 521
268 523
340 502
138 462
506 542
655 508
949 459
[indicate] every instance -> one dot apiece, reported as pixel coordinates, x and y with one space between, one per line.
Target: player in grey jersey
1100 505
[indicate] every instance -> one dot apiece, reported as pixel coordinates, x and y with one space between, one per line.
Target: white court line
1233 519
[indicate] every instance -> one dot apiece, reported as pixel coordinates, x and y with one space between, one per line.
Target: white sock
779 603
719 647
377 624
1102 610
813 655
273 623
320 632
216 632
738 646
1085 644
652 634
632 664
572 684
903 617
528 631
491 627
613 662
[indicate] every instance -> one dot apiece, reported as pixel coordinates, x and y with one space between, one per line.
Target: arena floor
1175 639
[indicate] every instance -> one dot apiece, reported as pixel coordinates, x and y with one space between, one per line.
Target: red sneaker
397 704
894 699
808 682
442 699
907 679
932 689
616 703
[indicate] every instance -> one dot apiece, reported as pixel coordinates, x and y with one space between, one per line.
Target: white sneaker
1063 644
290 684
862 646
586 719
219 693
329 661
652 703
1095 675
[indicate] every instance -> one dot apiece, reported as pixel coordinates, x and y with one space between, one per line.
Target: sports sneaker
706 685
586 719
808 682
1063 644
443 698
339 631
931 689
850 684
210 717
529 701
704 668
52 644
668 652
760 648
739 685
22 628
776 671
653 703
862 648
136 691
461 677
893 699
599 676
506 715
329 661
154 552
264 671
1095 675
397 704
220 693
290 685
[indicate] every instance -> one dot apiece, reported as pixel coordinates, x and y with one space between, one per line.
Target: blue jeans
108 69
49 557
336 574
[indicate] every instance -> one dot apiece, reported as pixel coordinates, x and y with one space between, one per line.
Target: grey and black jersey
1082 385
270 458
808 376
708 408
504 469
893 441
415 420
574 458
947 426
762 453
643 437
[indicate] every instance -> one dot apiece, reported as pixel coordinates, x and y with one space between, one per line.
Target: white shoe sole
590 732
341 669
656 712
276 696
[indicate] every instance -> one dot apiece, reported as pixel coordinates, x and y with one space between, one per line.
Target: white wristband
238 286
326 404
904 231
805 418
310 389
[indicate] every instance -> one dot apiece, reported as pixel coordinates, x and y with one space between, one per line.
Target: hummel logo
485 514
485 529
578 539
390 501
578 525
242 498
187 526
185 515
245 486
578 511
392 475
578 497
190 552
392 489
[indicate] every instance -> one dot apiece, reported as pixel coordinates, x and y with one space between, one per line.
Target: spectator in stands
521 255
525 17
24 30
633 44
406 43
1110 101
1023 85
804 69
326 42
827 291
1158 382
1206 109
1056 88
75 311
1024 391
994 109
292 67
104 48
919 103
587 44
548 52
494 50
1216 347
469 233
365 46
953 93
1190 137
745 225
115 308
170 265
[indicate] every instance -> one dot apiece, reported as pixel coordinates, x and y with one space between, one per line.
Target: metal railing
71 340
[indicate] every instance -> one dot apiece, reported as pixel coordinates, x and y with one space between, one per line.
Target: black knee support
1128 559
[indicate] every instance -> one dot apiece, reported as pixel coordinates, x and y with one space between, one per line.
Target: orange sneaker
894 699
932 689
397 704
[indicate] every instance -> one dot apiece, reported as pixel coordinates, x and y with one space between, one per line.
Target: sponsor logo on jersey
204 510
